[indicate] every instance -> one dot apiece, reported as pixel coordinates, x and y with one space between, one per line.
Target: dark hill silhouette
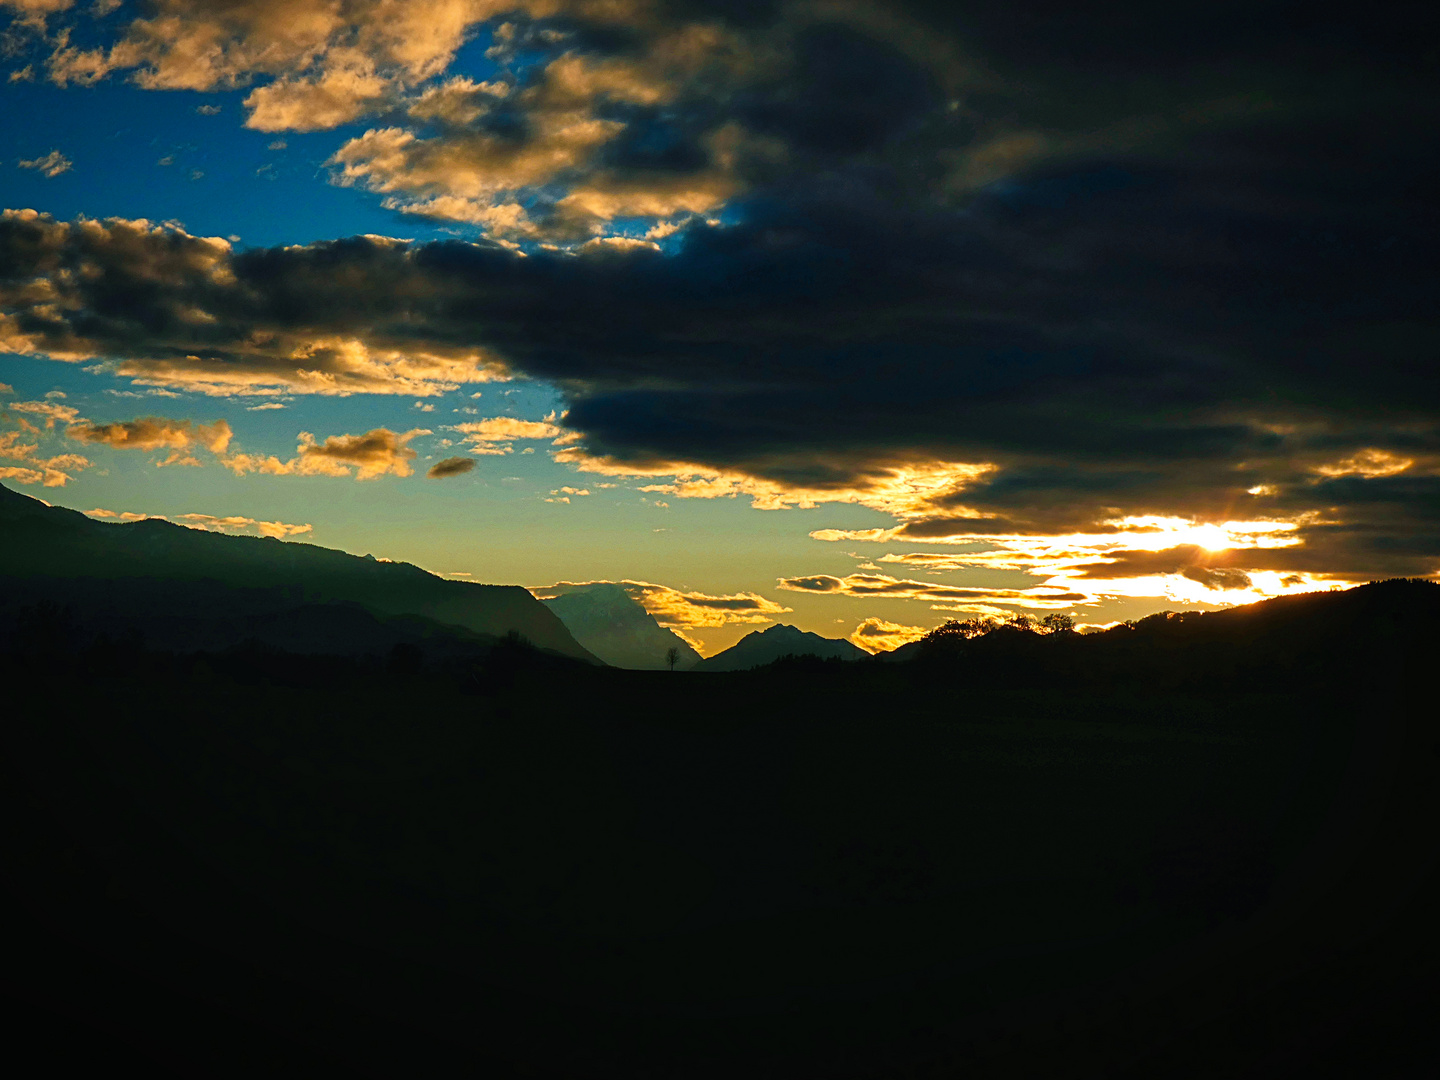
607 621
1199 847
1311 639
761 647
203 590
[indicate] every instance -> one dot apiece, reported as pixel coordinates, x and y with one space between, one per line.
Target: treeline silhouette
1198 846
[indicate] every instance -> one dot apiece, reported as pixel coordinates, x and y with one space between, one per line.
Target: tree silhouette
672 657
1058 624
955 630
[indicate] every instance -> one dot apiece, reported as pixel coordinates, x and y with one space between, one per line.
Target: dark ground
249 862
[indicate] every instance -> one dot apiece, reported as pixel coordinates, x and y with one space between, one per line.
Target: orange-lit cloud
873 586
1368 463
903 490
678 610
34 467
242 525
51 165
365 457
180 437
877 635
1174 558
484 434
234 525
48 409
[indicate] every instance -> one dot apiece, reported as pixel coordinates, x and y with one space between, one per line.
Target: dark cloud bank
1172 261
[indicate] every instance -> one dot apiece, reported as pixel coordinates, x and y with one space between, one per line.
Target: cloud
675 609
242 525
48 409
52 471
482 434
36 8
196 45
20 474
233 524
171 310
121 515
871 586
327 100
1072 269
1369 462
877 635
451 466
52 164
180 437
601 109
1021 429
370 455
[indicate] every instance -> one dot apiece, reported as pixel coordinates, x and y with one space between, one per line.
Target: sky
849 315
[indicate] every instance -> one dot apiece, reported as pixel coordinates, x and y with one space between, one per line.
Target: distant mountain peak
606 620
760 647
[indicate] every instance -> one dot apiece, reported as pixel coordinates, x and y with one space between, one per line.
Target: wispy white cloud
52 164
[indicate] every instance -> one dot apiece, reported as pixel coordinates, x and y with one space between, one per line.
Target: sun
1210 537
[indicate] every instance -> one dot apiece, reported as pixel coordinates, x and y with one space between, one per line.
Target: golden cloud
1180 559
877 635
195 45
1367 463
503 429
873 586
51 165
678 610
370 455
52 471
156 433
323 365
49 410
234 525
467 172
242 525
22 475
904 490
333 97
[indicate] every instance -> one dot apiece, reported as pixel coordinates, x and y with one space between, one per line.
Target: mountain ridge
109 570
761 647
605 619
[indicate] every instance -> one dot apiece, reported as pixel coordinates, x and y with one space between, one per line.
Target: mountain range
185 589
606 620
762 647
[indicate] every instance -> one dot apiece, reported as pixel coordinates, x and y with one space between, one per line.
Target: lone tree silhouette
672 657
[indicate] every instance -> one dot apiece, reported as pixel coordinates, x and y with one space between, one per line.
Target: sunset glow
717 302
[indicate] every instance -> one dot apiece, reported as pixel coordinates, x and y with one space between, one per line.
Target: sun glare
1156 533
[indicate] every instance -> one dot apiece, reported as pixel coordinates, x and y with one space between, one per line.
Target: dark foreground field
249 863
